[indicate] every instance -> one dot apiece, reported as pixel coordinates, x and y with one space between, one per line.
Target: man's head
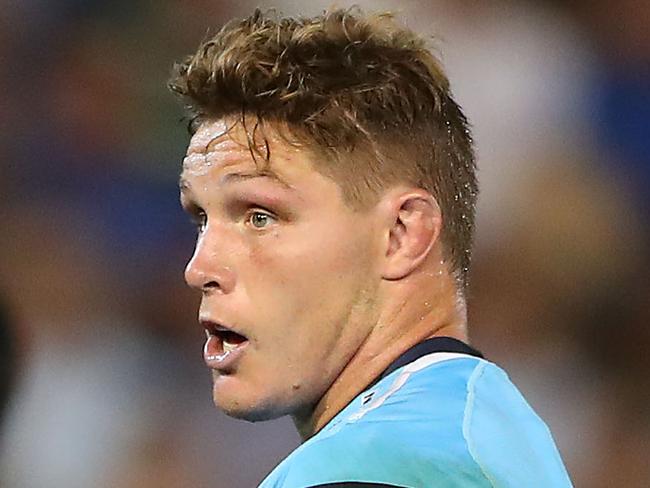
353 163
363 93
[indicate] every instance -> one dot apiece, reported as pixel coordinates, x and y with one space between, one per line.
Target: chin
249 409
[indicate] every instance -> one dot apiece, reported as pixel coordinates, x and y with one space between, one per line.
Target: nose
205 271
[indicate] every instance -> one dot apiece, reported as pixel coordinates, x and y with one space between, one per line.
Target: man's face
286 270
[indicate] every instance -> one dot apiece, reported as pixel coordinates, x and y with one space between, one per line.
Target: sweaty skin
326 296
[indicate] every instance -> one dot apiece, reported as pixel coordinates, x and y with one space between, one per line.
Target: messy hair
361 91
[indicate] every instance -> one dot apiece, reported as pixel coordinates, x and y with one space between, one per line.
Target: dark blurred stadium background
111 390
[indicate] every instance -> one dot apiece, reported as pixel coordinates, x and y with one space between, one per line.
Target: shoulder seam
467 418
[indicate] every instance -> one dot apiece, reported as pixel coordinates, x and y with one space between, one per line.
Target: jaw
230 395
257 398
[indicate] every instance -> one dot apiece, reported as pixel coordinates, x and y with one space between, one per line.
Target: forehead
218 142
214 143
219 169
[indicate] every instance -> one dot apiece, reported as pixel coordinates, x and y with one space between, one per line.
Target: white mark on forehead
210 146
197 164
207 132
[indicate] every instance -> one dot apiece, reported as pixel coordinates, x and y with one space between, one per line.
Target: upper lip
214 326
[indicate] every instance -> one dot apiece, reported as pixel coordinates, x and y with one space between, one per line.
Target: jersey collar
435 344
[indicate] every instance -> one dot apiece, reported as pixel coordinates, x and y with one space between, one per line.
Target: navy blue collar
435 344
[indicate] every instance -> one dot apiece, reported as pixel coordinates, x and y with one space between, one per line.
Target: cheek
300 292
303 279
307 258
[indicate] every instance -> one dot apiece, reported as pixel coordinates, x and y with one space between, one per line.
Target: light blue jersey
436 419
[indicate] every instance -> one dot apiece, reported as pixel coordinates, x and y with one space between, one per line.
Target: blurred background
108 383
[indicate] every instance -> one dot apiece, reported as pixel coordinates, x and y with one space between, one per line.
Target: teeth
227 347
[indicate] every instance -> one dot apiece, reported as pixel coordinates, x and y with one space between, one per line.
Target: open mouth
226 340
223 345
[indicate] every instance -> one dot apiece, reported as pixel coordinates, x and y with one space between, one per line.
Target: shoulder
406 431
422 426
510 443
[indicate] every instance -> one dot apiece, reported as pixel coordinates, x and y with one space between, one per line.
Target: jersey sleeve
512 446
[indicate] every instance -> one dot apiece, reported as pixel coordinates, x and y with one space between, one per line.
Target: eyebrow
244 175
184 185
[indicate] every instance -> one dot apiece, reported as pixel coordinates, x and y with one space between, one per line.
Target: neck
405 322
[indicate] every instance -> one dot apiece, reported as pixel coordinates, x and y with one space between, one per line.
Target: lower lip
216 358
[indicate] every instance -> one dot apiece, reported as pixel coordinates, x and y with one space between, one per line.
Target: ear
414 221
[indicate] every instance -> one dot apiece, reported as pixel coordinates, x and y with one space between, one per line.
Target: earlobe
416 223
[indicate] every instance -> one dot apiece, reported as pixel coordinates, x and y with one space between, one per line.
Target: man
332 179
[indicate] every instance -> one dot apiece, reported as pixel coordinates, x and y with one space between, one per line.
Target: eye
259 219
